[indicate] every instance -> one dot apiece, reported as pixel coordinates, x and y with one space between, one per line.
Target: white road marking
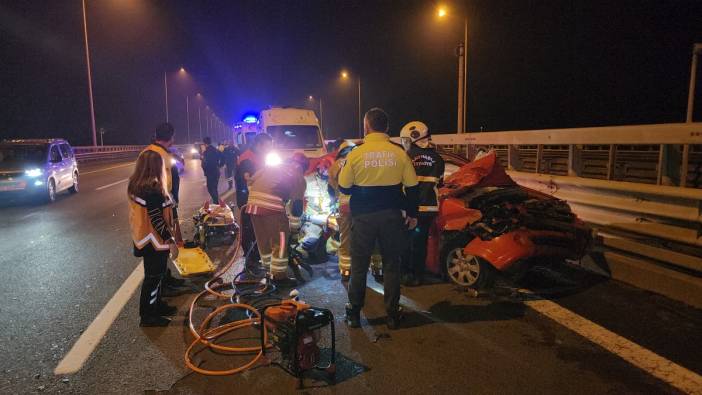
105 169
111 185
665 370
88 341
657 366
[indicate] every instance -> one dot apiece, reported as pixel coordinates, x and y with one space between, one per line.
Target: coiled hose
256 290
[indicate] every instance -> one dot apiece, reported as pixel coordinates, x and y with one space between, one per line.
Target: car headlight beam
273 159
33 173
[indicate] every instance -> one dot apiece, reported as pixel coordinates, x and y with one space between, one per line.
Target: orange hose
207 336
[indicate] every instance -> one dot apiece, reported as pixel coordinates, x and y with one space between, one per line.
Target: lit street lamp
442 12
345 76
165 87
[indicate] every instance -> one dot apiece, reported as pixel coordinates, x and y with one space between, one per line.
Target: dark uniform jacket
429 167
211 160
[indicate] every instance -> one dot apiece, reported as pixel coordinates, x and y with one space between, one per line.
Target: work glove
411 222
173 247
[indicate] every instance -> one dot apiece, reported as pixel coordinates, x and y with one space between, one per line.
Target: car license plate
12 185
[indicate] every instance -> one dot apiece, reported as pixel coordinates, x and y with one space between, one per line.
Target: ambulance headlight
273 159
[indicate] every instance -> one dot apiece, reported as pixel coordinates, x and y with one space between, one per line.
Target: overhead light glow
442 12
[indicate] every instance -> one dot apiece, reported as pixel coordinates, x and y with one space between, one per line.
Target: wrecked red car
488 224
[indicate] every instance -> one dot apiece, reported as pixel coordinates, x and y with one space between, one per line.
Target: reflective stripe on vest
427 179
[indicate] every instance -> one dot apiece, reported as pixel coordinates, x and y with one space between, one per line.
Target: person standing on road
429 166
211 162
163 139
230 155
272 188
152 226
343 216
249 162
375 175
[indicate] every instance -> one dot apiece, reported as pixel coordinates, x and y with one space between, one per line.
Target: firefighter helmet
415 132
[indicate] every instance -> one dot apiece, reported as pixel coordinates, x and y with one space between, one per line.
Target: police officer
211 162
343 217
374 175
270 191
429 166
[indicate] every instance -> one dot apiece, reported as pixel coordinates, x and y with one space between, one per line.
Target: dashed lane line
89 340
105 169
111 185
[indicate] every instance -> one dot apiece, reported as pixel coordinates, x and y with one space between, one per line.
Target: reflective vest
343 199
375 174
166 157
272 187
143 232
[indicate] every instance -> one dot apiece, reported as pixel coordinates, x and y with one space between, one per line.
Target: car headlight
34 172
193 150
174 162
273 159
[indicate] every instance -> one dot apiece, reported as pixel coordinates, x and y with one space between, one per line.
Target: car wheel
51 191
467 270
74 188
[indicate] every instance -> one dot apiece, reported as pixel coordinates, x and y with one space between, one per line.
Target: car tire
74 187
50 196
466 270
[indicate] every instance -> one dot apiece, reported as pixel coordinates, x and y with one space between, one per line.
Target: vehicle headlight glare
273 159
193 150
34 172
174 162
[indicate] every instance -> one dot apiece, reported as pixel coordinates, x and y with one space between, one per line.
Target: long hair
149 175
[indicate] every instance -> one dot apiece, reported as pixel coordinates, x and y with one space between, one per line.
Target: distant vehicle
293 130
193 150
37 168
178 159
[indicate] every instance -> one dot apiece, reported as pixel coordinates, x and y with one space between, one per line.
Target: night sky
532 64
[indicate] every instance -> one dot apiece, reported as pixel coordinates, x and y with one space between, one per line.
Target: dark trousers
229 172
248 239
212 182
387 227
155 264
416 253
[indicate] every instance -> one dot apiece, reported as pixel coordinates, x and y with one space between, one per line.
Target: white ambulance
293 130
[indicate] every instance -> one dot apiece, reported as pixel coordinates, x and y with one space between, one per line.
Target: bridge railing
625 180
106 153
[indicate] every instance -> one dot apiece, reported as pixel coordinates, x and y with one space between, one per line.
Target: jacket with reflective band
375 174
166 157
272 187
143 228
343 199
429 166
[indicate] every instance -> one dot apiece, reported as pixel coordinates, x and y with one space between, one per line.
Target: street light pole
321 115
696 51
90 76
187 114
464 124
199 121
165 92
360 115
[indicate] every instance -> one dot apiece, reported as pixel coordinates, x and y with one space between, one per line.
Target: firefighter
270 190
429 166
343 217
248 163
163 139
375 175
152 225
211 162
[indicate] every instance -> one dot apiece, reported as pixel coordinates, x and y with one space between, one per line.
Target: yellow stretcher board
192 262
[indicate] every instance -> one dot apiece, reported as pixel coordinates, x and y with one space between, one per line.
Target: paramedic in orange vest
271 189
163 140
343 217
152 226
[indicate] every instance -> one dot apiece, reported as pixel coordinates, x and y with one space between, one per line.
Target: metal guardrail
612 177
106 153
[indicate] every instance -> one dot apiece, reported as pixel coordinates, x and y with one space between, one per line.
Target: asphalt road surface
61 264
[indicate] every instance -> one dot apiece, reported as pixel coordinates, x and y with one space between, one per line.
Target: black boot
353 316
